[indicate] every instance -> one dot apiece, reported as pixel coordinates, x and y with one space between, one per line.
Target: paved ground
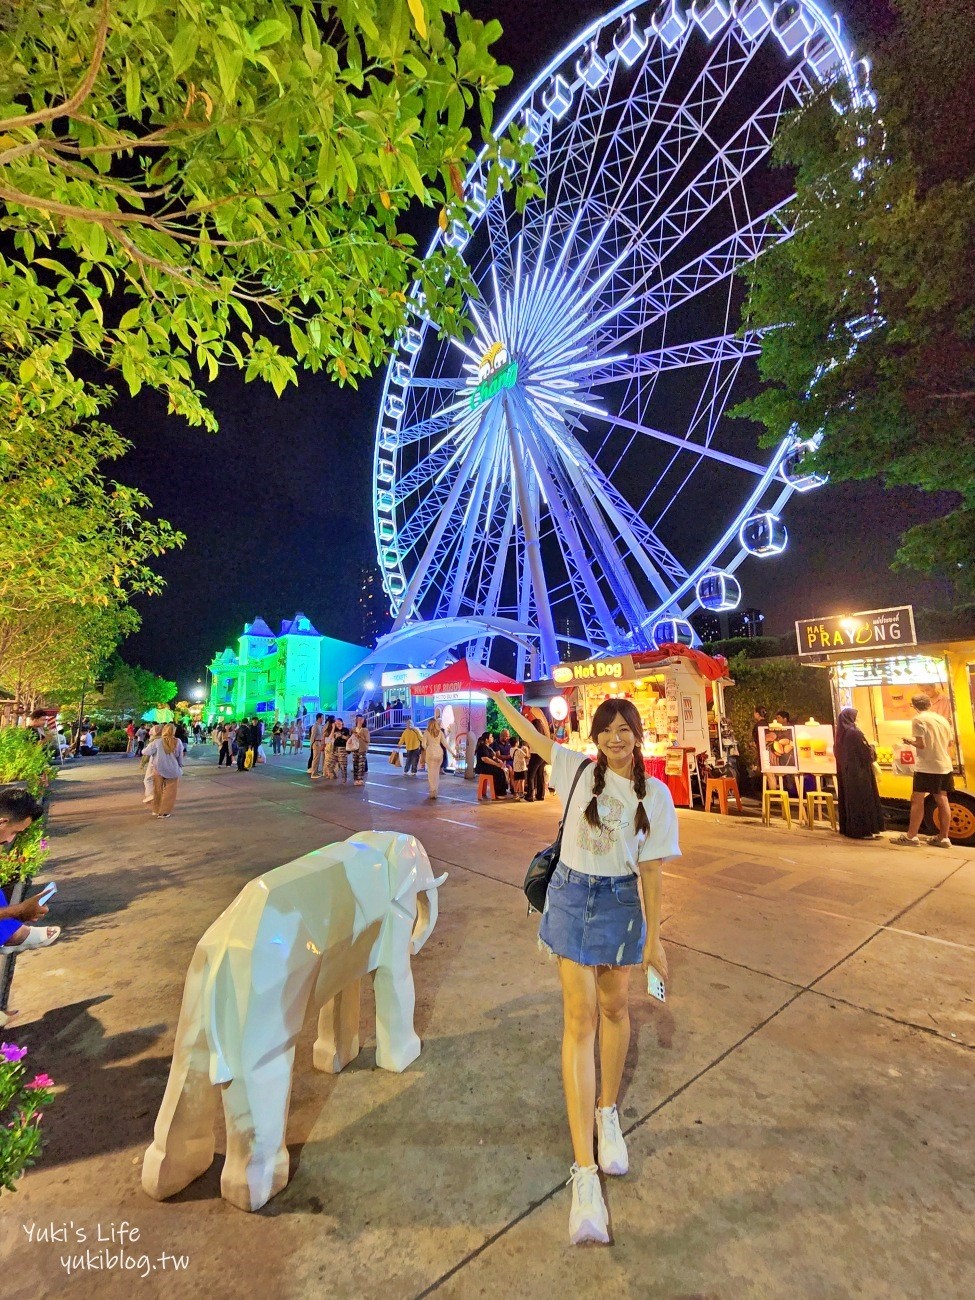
800 1112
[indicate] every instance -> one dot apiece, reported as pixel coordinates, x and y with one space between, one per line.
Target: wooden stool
722 786
818 801
779 796
485 786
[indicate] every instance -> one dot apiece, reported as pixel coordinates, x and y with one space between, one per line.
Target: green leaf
96 242
230 62
413 177
183 50
269 32
133 90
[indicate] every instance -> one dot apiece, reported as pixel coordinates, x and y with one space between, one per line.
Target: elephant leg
182 1140
256 1110
338 1031
397 1044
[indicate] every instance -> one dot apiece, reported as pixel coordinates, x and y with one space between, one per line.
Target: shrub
26 855
778 684
24 762
112 742
21 1112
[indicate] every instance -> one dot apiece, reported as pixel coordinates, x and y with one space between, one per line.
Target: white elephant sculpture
306 931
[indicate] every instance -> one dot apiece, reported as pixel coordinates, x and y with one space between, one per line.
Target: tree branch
79 96
144 259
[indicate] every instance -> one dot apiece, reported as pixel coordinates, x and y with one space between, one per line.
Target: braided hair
603 718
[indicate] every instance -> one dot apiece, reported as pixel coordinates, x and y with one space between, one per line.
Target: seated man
87 744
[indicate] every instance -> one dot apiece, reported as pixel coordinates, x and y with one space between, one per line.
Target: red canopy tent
465 677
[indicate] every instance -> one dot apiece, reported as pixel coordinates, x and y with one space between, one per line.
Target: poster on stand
777 751
814 743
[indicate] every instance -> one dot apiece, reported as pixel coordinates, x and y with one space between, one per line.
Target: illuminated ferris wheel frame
496 498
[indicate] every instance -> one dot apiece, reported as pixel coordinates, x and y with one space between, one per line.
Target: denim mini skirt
593 920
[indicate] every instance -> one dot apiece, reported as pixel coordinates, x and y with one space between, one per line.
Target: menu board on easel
802 749
814 743
777 751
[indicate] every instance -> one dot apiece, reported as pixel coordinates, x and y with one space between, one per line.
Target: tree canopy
180 175
870 307
74 544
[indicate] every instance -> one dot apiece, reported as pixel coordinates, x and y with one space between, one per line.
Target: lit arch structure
431 642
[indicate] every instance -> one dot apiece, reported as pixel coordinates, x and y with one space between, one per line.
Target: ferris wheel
570 467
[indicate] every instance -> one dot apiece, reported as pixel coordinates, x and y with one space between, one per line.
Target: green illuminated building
280 674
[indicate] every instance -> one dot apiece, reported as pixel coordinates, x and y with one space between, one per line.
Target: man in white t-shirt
932 738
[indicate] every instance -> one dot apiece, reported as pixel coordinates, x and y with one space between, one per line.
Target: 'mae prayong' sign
873 630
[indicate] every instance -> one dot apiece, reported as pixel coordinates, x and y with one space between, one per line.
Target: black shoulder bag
543 864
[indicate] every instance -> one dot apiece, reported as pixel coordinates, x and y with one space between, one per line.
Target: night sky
277 505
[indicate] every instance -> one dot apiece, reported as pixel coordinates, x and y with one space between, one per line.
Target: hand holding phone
655 985
47 892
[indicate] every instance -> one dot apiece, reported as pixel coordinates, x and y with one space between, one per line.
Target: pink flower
12 1052
41 1081
42 843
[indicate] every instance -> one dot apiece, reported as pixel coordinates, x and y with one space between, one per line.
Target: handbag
904 760
394 758
543 864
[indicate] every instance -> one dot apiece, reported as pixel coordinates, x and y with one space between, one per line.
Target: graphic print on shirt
600 839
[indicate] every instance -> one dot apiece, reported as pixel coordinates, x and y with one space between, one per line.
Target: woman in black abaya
861 816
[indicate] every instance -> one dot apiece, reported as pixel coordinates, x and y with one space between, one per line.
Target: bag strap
572 789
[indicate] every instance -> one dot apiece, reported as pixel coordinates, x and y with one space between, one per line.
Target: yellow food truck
877 673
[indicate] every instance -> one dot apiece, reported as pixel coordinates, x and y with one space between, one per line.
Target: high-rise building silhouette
747 622
707 625
373 621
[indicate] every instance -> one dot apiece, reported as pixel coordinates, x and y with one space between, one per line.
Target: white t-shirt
616 848
935 731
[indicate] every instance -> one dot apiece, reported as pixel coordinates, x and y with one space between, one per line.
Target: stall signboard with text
593 670
874 629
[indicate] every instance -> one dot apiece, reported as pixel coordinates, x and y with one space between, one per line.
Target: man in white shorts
932 738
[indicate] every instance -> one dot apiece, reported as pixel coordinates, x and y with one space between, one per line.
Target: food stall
878 675
679 694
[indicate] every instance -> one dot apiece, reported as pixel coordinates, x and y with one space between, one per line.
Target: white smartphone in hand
47 892
655 985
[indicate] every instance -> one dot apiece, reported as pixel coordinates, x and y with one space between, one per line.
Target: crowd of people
334 746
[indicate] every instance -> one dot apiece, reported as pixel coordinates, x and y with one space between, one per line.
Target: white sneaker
610 1142
588 1218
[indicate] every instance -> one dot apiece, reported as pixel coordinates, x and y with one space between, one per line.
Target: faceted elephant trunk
427 911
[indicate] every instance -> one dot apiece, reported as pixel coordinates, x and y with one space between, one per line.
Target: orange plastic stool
723 787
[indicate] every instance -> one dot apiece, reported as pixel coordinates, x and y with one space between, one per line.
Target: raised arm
536 742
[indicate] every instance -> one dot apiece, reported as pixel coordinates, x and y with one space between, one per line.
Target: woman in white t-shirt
619 826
